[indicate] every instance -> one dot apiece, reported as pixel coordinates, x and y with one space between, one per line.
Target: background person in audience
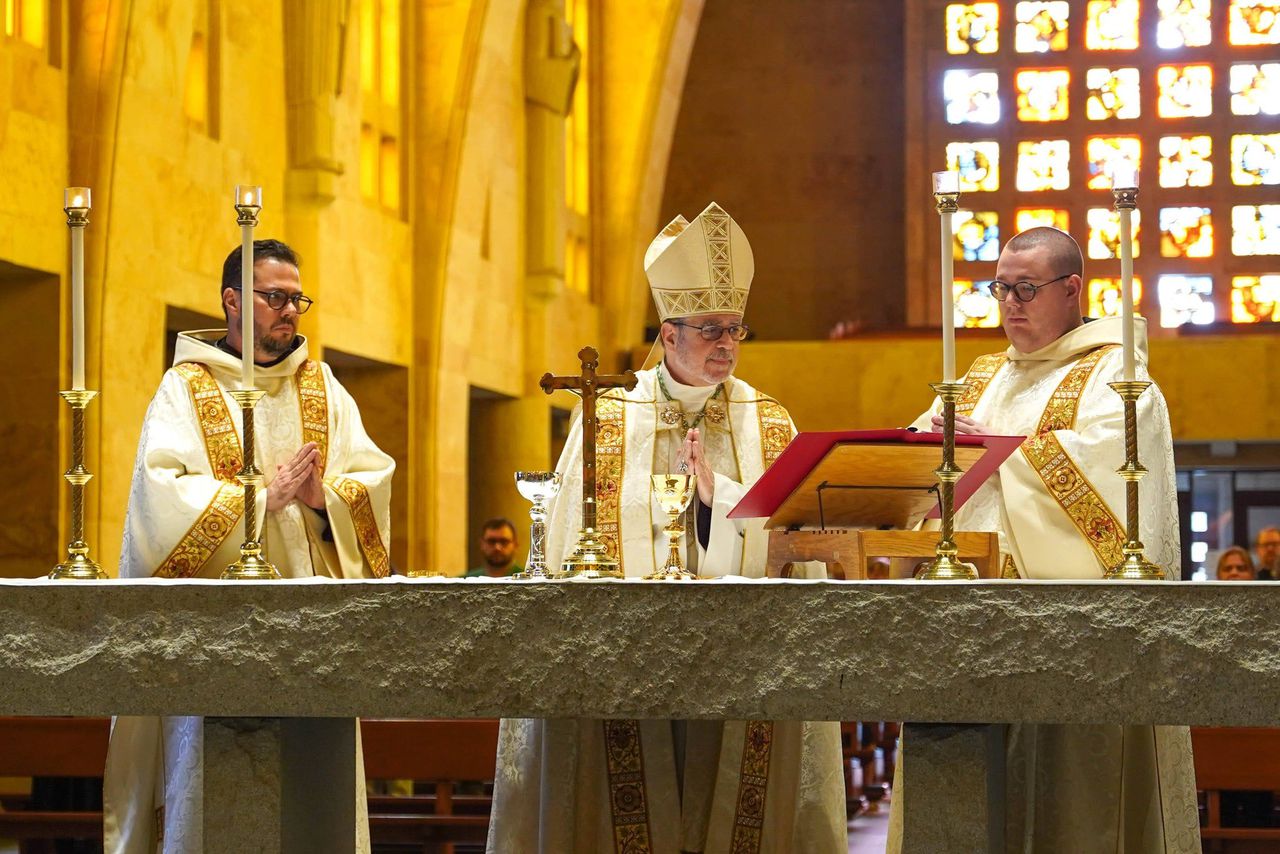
498 545
1234 564
1266 551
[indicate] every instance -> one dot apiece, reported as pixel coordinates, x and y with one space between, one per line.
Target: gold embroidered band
1060 412
356 496
1076 495
753 784
611 445
208 533
978 378
775 430
628 804
220 439
314 407
1009 569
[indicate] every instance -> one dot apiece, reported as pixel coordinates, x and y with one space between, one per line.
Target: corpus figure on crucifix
654 785
591 557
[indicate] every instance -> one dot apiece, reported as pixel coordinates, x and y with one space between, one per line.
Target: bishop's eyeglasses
277 299
713 331
1024 291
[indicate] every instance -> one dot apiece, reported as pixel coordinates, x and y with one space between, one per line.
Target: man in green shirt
498 544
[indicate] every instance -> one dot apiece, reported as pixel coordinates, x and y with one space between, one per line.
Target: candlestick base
947 567
1135 566
424 573
252 566
78 566
589 559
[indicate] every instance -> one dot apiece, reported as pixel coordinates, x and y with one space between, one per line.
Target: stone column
952 794
279 785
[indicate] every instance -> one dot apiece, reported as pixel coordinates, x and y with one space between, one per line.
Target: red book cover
808 449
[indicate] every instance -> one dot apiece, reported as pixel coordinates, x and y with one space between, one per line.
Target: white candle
77 198
947 183
247 196
1125 177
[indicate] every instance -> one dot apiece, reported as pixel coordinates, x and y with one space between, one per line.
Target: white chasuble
590 786
1059 507
185 520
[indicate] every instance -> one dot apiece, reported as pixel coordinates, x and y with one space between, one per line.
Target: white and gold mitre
700 267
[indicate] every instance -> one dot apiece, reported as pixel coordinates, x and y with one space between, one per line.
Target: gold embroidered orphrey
356 496
753 786
628 805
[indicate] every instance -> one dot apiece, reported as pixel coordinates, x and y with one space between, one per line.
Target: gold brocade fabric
204 537
219 431
1076 495
753 786
775 430
1060 412
356 496
978 378
625 762
610 450
313 405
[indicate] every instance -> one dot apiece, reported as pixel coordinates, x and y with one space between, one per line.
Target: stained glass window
1184 161
1186 233
1111 25
976 235
1252 22
1024 218
1185 299
971 96
976 308
1255 89
1044 164
1104 152
1042 94
1255 299
1255 159
1113 93
1104 232
1255 230
1184 91
973 27
978 164
1183 23
1105 299
1041 27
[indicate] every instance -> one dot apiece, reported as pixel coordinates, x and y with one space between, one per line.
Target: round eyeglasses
277 299
713 331
1024 291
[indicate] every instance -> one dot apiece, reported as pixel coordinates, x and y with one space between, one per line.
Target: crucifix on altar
590 557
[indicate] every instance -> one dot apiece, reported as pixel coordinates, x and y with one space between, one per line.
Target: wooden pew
1236 759
438 751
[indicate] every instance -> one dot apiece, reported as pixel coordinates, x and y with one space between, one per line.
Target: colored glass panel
1255 159
975 308
1104 152
1255 89
1255 299
976 235
973 28
1185 299
1111 25
971 96
1255 230
1041 27
1044 164
1113 93
1105 296
978 164
1184 161
1184 91
1253 22
1104 232
1183 23
1186 232
1024 218
1042 94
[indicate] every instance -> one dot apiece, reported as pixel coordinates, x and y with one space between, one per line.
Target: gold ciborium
673 492
538 487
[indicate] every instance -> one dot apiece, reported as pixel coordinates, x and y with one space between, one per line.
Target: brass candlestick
78 564
673 493
252 564
1135 566
946 566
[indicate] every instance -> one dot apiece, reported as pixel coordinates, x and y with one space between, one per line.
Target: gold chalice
673 493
